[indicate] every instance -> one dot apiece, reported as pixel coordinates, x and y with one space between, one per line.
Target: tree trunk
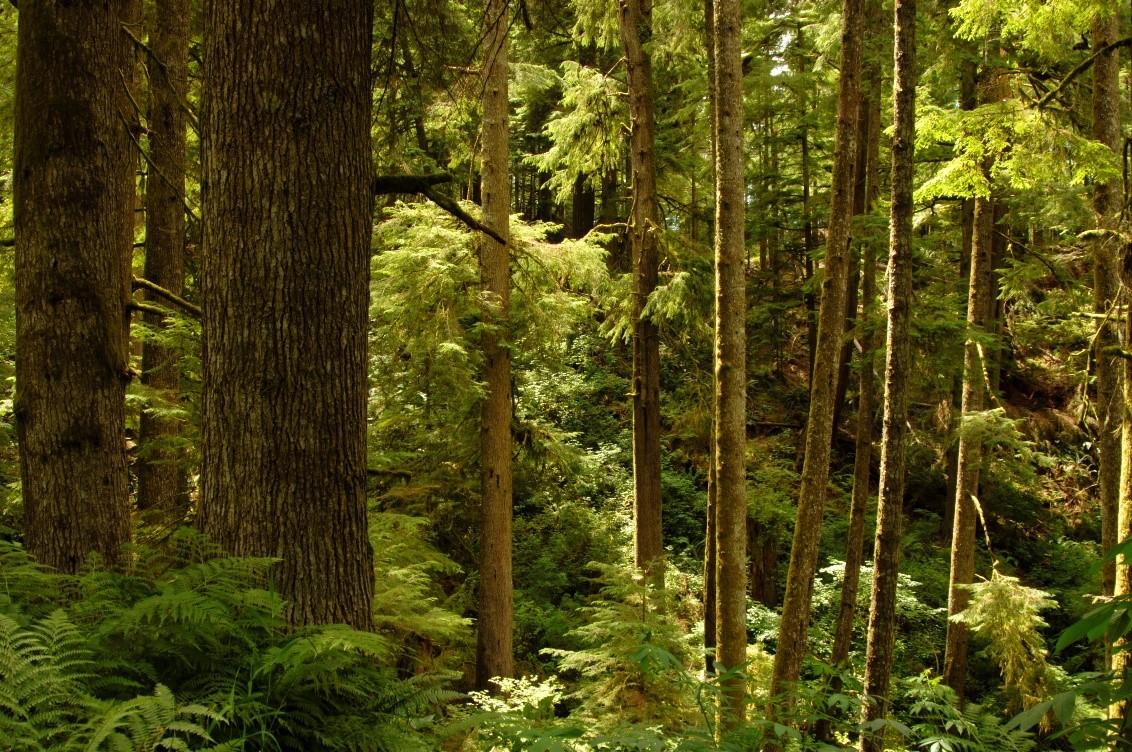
74 218
636 36
287 221
968 100
1106 285
970 451
864 198
582 208
762 549
831 326
710 560
494 651
159 477
886 558
730 411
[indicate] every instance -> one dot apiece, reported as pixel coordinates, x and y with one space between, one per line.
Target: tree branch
386 184
139 283
454 209
1084 66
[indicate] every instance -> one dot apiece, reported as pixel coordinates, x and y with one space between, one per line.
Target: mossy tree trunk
159 476
1106 285
831 327
74 218
898 366
288 211
494 651
730 412
636 37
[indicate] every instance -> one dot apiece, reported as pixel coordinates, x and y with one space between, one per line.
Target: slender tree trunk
74 218
864 198
636 36
970 451
968 100
1121 657
1106 285
710 559
287 220
730 361
494 651
882 613
831 327
159 477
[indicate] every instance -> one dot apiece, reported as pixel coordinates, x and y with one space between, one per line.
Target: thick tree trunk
882 613
74 218
831 327
288 208
1106 285
970 451
762 552
159 477
494 651
730 411
636 36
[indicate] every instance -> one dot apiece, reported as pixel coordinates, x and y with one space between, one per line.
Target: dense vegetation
355 447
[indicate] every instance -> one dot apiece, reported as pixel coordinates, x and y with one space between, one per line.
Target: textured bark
831 327
864 197
1121 656
710 562
730 411
636 36
74 201
159 477
968 100
762 551
494 650
882 612
1106 285
582 208
287 220
970 451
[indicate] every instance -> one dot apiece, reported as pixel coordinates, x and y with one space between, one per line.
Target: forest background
550 347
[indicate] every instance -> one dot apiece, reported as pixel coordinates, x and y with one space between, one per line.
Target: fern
939 725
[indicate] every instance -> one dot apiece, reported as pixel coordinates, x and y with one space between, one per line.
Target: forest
565 375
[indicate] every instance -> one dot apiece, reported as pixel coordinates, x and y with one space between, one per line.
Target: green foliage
1006 614
631 655
189 651
938 724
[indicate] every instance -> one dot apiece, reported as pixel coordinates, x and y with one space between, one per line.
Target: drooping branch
139 283
1084 66
453 208
422 184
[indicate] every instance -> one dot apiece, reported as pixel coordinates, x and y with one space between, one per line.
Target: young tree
74 202
730 390
831 327
979 303
158 475
287 218
636 36
882 613
496 599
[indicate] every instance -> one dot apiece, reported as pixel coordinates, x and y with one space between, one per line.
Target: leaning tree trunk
636 37
287 222
494 653
898 366
730 390
831 327
970 450
74 202
158 474
1106 285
